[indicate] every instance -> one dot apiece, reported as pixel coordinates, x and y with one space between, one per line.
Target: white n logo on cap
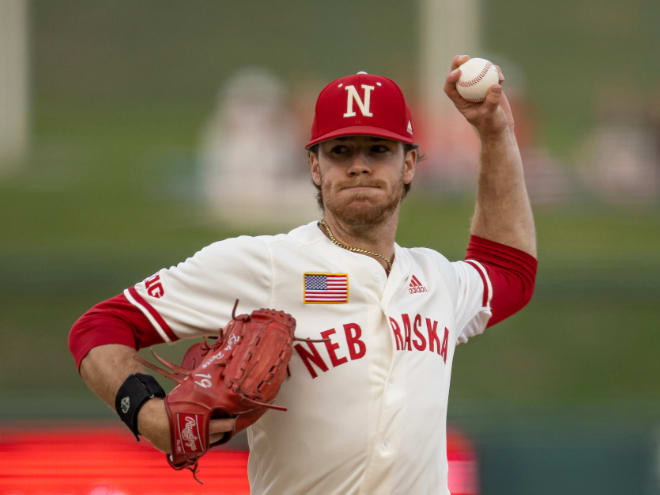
363 105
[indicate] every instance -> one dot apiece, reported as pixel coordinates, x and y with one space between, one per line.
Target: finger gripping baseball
237 376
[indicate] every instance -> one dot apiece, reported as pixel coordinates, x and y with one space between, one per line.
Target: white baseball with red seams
477 75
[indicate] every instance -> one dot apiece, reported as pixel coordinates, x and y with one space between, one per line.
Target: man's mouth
359 187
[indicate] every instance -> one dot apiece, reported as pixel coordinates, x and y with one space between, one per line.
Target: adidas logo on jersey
416 286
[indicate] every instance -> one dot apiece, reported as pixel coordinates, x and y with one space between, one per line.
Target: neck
377 238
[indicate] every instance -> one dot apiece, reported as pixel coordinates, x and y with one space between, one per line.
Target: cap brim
361 130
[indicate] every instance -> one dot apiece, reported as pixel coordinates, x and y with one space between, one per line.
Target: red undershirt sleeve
114 321
512 275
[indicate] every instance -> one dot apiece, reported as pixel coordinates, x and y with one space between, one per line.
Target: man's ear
409 166
314 167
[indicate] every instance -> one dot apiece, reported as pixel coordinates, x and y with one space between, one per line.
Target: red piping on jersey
484 299
154 314
114 321
512 275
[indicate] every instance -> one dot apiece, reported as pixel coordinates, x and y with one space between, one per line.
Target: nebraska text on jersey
325 288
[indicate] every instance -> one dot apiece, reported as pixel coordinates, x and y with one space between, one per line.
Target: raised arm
503 212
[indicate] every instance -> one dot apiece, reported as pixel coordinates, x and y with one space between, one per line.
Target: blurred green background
564 395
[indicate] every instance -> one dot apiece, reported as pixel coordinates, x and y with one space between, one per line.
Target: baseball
477 75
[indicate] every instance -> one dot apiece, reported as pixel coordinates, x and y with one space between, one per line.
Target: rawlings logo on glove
190 432
235 377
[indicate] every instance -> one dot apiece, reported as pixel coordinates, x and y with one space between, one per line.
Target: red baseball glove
235 377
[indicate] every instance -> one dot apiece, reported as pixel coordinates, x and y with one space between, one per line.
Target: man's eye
379 148
339 149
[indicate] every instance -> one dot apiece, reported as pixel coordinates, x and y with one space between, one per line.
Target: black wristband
131 396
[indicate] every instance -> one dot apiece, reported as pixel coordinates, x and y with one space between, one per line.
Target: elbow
78 340
512 274
514 292
93 329
114 321
528 284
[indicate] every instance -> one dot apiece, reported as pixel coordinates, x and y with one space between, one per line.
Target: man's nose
359 164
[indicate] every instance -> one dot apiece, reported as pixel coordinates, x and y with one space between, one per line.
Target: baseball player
367 401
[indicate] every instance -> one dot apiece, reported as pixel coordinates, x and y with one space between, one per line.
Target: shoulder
426 254
306 234
437 265
298 235
429 258
234 245
260 245
299 239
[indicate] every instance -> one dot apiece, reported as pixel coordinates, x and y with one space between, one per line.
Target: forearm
105 368
503 212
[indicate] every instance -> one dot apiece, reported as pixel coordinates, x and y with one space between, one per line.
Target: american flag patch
325 288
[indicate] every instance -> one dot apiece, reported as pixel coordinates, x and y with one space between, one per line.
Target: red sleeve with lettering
512 275
115 321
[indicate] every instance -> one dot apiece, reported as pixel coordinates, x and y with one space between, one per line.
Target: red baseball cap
362 105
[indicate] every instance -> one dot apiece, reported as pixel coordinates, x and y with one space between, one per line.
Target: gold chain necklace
334 240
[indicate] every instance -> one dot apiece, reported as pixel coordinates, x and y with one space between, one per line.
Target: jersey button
384 448
393 396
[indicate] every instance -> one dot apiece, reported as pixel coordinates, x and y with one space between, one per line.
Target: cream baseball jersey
366 408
